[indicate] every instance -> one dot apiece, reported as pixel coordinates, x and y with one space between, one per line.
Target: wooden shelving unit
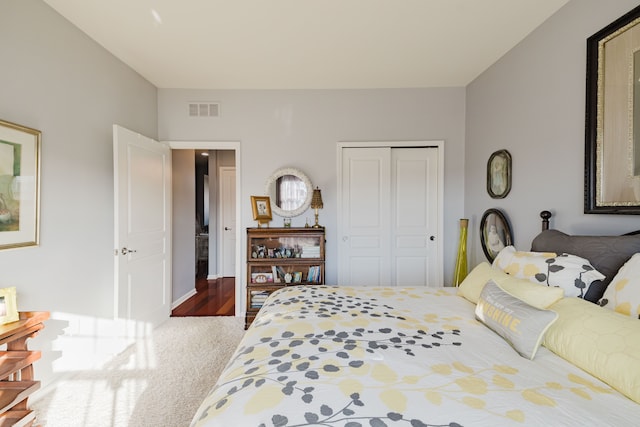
275 253
17 381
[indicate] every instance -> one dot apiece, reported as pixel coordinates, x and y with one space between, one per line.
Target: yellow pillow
604 343
536 295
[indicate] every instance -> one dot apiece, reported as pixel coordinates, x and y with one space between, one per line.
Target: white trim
439 144
183 298
226 145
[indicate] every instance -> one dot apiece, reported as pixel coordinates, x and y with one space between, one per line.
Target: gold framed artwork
19 185
8 305
261 207
612 126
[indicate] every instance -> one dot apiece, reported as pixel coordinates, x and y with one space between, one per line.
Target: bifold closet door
389 215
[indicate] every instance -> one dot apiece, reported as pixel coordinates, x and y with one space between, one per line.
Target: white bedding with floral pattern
348 356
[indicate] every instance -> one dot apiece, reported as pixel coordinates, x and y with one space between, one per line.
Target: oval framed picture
495 233
499 174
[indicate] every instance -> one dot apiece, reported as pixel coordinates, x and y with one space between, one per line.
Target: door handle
126 251
432 238
227 229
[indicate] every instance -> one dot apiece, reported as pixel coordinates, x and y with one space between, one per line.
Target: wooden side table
17 381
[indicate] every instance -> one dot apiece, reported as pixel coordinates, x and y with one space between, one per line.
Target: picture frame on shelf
261 277
19 185
8 305
499 174
261 208
495 233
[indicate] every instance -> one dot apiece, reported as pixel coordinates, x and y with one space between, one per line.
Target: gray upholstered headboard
606 253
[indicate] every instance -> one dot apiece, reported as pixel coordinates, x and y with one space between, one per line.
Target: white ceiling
307 44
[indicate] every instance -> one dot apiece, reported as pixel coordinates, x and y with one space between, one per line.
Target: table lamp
316 203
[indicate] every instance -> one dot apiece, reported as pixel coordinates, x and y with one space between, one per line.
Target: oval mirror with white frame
290 191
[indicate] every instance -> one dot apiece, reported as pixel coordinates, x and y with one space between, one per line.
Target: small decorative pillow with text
623 293
521 325
570 272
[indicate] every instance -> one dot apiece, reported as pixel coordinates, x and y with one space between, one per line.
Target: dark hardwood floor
213 298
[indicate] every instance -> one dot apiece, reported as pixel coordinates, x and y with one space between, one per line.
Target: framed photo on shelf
261 277
261 207
19 185
8 305
499 174
495 233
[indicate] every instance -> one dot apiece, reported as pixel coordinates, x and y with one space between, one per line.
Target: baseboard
183 299
213 277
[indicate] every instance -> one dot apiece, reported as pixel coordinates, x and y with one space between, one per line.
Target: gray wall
532 103
301 128
57 80
184 223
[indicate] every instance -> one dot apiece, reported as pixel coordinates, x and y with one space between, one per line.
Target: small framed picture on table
8 305
261 207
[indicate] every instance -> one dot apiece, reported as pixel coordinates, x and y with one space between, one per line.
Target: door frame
224 145
439 144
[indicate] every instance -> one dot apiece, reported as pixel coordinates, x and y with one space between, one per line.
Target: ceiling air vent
204 109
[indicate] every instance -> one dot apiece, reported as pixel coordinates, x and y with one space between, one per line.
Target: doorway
180 296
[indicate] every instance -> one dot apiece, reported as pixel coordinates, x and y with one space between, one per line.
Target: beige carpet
158 381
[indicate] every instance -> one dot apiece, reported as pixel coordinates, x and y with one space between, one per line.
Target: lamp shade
316 199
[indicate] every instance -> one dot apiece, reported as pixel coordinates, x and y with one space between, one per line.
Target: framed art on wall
19 185
612 127
495 233
499 174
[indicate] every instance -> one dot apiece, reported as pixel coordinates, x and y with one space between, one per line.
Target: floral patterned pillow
623 293
569 272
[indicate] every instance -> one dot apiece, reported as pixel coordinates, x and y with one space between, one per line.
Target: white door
142 178
389 217
366 192
228 220
414 216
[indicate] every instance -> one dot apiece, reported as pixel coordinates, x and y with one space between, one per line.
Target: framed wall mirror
290 191
612 128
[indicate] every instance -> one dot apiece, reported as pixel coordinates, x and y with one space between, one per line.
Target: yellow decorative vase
460 271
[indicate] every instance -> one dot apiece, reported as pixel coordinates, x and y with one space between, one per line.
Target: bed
500 350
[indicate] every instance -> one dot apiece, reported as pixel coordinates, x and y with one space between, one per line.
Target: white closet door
414 216
389 199
366 216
